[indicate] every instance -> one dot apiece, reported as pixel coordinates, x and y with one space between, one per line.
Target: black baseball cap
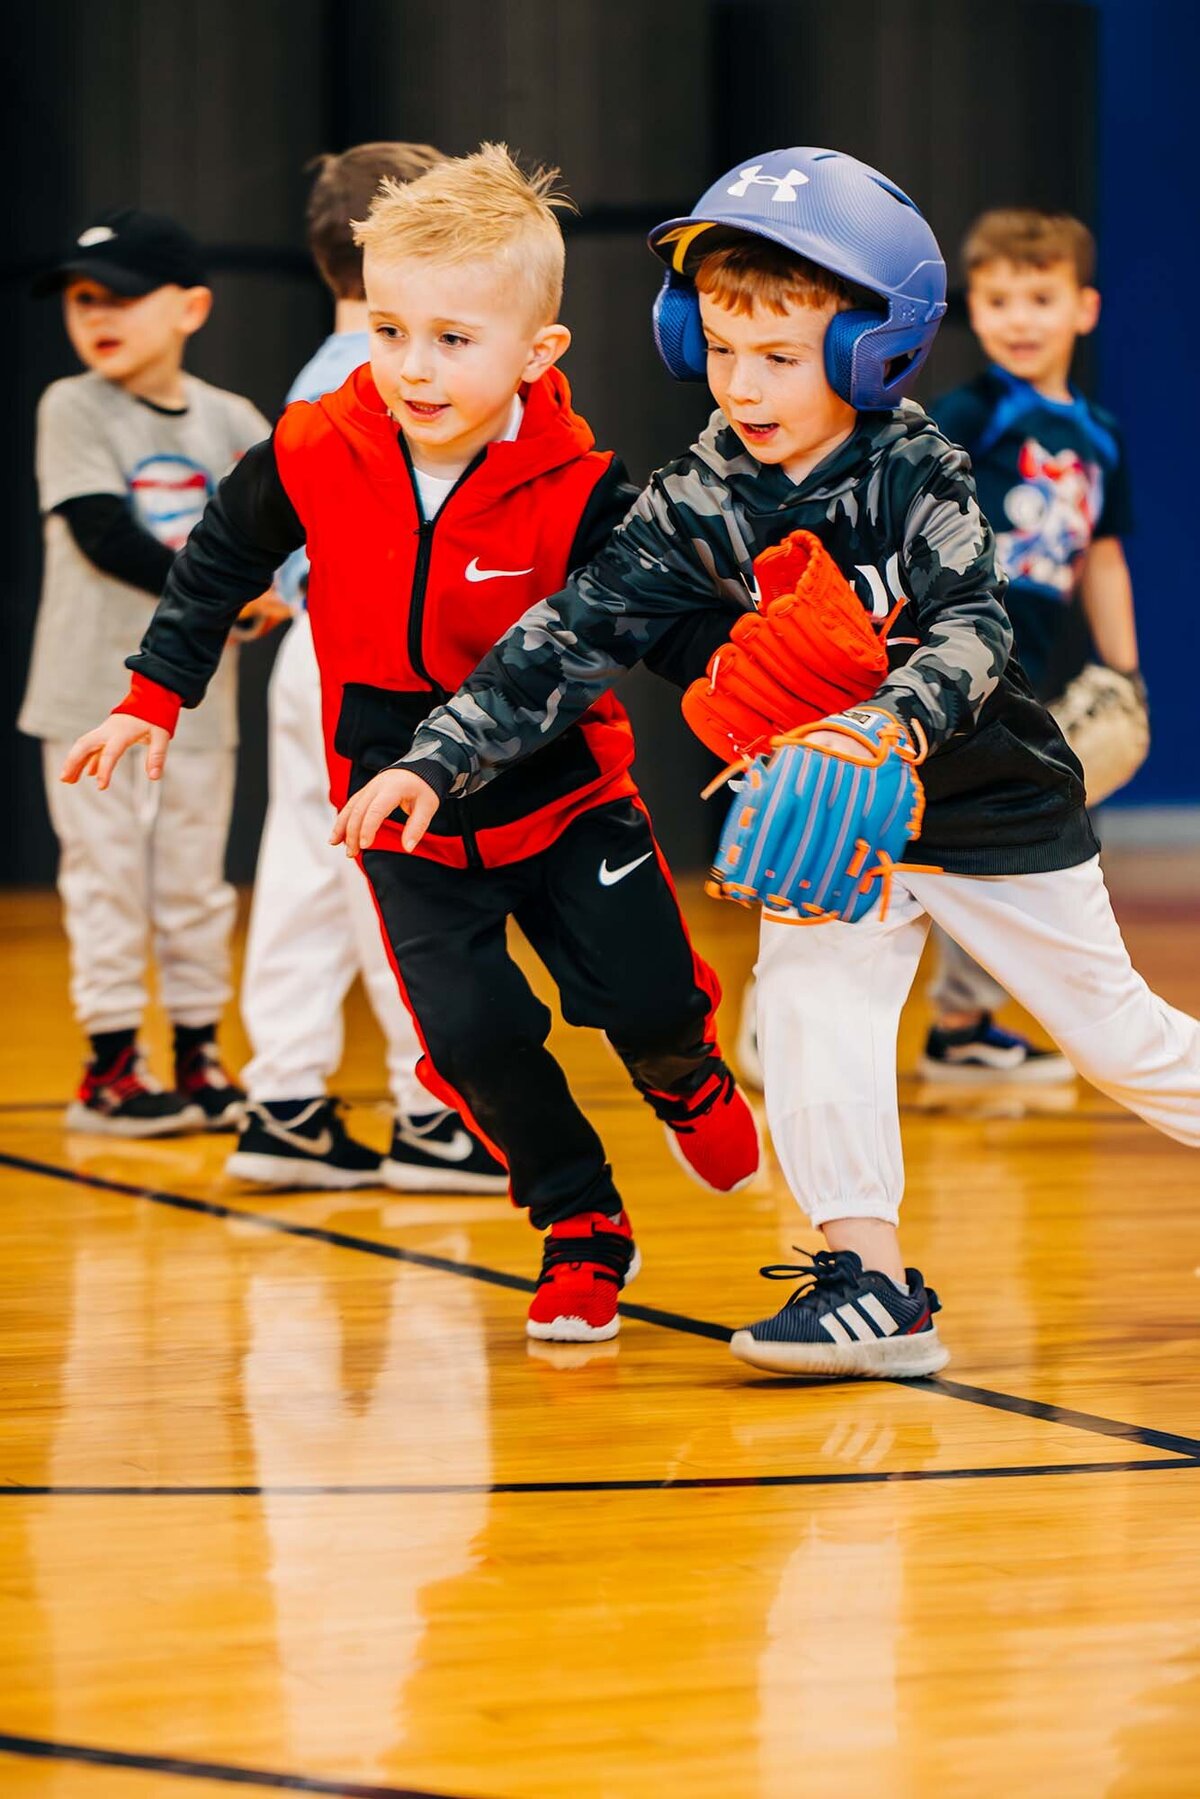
130 252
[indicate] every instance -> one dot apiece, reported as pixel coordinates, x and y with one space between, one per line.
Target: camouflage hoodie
895 506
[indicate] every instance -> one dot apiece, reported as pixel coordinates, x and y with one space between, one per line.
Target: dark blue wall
1148 351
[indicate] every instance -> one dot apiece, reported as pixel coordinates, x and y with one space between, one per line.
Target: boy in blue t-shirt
1051 476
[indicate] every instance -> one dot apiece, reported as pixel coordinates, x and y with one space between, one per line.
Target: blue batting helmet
846 218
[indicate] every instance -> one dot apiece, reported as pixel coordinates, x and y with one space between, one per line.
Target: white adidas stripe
876 1310
861 1320
854 1321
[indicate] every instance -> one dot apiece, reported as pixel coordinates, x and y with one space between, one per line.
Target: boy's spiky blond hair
472 209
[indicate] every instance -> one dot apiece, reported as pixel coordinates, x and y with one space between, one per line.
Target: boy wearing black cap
127 455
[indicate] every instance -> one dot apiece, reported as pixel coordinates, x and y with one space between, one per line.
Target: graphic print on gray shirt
94 438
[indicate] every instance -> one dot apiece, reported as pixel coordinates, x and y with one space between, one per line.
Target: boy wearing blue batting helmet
807 288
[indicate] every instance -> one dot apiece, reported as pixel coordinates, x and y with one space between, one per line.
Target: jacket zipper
416 616
416 606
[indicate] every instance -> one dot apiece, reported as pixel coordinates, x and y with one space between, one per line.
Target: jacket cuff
152 703
435 774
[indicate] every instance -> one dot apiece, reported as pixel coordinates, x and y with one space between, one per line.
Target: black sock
286 1109
190 1036
108 1045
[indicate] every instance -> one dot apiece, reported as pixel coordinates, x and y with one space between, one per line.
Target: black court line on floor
184 1768
313 1233
868 1477
1096 1424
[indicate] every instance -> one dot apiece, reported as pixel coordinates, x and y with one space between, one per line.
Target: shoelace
433 1122
681 1111
202 1066
127 1077
327 1112
606 1248
833 1274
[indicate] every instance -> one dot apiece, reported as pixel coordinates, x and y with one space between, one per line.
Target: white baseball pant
830 998
313 923
142 863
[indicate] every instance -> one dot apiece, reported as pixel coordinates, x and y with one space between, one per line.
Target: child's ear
551 342
197 304
1089 310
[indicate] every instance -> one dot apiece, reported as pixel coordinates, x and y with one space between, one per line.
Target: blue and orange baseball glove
814 832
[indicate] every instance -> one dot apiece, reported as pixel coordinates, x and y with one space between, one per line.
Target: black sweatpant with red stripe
599 909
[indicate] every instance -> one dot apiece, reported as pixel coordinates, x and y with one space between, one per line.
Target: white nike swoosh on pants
610 876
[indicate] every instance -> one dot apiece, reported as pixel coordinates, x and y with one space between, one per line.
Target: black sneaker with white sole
436 1152
847 1321
984 1053
301 1143
203 1081
123 1100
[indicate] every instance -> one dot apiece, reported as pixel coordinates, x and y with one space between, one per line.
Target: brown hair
752 269
480 207
344 188
1030 239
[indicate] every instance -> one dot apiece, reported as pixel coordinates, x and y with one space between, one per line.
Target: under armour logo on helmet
785 185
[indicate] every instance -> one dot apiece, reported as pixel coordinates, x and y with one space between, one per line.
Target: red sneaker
585 1262
710 1129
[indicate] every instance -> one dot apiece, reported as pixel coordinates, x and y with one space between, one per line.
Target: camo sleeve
563 653
948 565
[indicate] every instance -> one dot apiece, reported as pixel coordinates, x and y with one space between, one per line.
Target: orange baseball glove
809 651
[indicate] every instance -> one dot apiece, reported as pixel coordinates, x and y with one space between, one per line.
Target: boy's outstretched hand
98 752
361 817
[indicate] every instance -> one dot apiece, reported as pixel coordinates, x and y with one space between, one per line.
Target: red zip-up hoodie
403 609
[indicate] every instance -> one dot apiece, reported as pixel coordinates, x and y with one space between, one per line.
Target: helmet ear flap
844 333
870 360
678 333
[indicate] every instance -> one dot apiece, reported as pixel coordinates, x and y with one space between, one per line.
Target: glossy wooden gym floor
288 1502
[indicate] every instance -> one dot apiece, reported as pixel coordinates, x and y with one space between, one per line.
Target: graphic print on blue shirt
168 493
1052 511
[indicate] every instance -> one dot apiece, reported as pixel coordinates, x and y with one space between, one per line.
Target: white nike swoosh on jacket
475 573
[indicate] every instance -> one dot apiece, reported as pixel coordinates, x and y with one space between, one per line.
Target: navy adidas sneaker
985 1053
846 1320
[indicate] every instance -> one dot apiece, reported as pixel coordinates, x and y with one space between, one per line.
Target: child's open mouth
757 433
424 409
106 345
